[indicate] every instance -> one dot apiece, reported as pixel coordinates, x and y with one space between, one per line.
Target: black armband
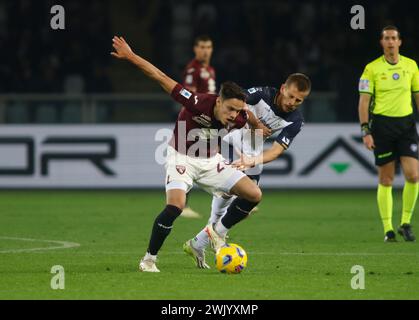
365 129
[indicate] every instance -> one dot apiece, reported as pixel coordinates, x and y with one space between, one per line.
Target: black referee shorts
394 137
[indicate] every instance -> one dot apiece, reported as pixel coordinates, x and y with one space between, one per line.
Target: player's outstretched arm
267 156
123 51
257 125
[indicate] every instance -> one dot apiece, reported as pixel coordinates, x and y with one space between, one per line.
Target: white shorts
211 174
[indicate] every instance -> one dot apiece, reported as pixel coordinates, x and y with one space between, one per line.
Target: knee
255 196
179 205
413 178
386 181
176 202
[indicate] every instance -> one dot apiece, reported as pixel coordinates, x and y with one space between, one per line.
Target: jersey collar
385 60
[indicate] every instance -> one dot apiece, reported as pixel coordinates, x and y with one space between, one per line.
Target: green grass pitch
301 245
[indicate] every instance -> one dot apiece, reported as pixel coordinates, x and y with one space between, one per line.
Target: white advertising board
132 156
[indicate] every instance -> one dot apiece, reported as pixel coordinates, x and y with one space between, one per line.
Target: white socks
149 256
220 229
201 240
218 209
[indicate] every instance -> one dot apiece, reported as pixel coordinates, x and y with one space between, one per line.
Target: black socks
237 211
162 227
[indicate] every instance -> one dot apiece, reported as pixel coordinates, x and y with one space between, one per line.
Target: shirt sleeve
288 134
253 95
366 83
415 78
186 98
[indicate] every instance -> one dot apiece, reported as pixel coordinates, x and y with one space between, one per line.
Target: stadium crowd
39 60
255 43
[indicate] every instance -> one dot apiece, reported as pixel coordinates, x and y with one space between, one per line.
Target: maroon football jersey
197 131
199 77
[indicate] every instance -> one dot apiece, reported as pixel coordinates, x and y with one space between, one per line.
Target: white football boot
148 264
197 255
216 241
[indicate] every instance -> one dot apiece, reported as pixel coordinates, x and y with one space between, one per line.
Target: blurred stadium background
67 76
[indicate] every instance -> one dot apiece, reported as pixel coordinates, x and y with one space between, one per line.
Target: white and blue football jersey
284 125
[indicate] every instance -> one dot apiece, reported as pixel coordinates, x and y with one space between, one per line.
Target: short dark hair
231 90
302 82
202 37
390 27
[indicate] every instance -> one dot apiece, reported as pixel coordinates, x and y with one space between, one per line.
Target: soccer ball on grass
231 259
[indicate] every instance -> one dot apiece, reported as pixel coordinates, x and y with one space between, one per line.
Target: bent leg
248 197
218 209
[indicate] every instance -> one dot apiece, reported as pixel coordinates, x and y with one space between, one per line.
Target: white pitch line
63 245
347 254
264 253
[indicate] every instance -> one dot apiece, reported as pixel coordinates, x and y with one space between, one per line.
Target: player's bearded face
290 97
203 51
227 110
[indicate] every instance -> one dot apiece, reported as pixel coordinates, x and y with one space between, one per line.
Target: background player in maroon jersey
204 113
199 77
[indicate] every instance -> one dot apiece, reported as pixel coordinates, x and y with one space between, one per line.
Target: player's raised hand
122 49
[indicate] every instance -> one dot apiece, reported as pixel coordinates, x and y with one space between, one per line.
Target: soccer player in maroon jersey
199 77
196 130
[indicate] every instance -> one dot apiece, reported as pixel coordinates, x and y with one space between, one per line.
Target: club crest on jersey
364 84
181 169
396 76
203 120
185 93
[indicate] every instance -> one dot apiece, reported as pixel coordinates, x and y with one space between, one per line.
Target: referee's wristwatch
365 129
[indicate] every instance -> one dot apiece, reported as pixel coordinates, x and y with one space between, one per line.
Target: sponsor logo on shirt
396 76
364 84
414 147
202 120
185 93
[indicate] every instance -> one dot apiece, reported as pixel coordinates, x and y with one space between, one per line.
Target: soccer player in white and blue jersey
278 110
